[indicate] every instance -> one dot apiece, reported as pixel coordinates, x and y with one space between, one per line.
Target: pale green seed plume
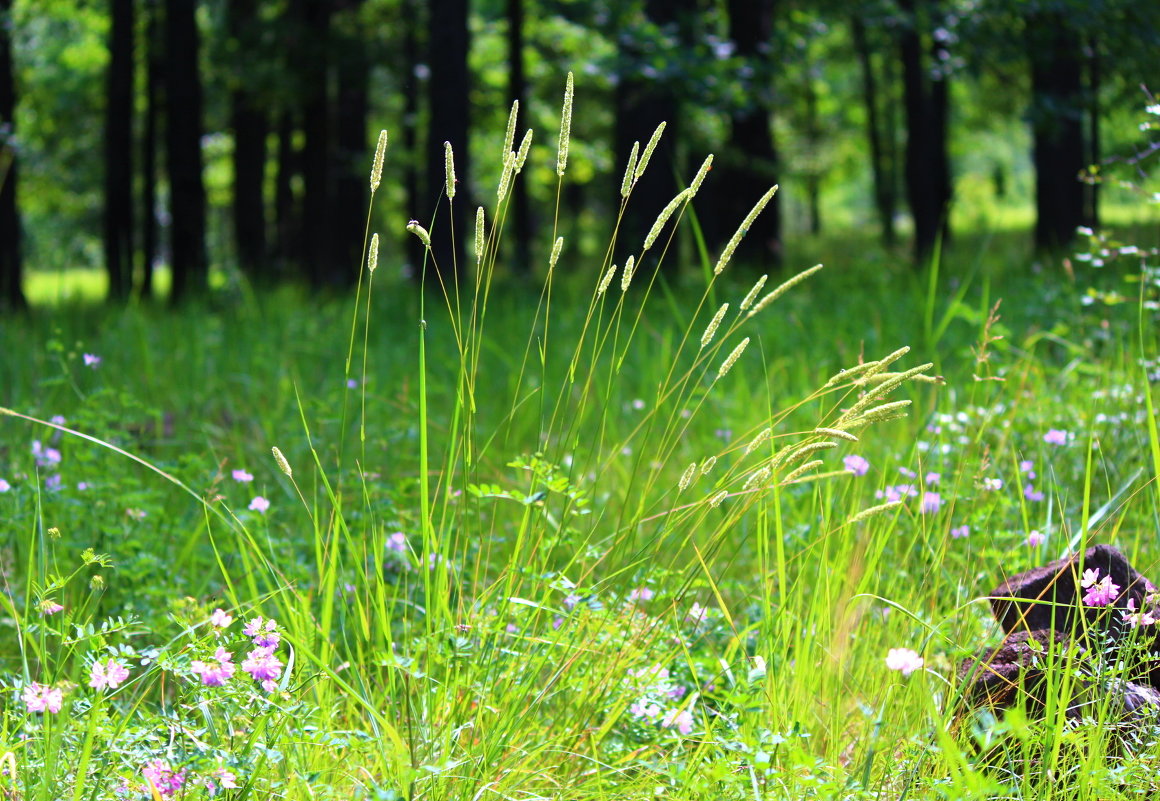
757 441
836 432
565 129
887 411
505 177
708 465
419 231
642 164
605 280
882 364
479 235
509 138
377 164
883 389
687 477
449 170
783 288
663 218
873 510
626 276
746 224
796 453
522 153
373 257
757 478
753 292
627 181
805 468
706 165
850 373
557 246
727 365
711 328
283 465
716 500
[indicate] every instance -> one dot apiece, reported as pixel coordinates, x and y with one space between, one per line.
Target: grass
514 584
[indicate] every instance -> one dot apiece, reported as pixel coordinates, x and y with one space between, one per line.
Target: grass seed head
757 478
626 276
873 510
783 288
522 153
377 164
748 300
699 178
605 280
757 441
647 155
805 468
505 177
708 464
479 235
449 169
687 477
663 218
418 230
280 460
629 179
557 246
738 235
509 138
716 500
711 328
727 365
565 129
373 256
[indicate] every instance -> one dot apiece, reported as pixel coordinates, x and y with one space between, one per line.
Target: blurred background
156 148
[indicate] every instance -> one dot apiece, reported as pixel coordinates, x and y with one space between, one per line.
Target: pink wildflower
264 667
931 503
259 505
50 607
641 594
4 485
42 698
242 477
856 464
645 709
109 674
220 779
91 360
960 531
163 777
904 660
397 542
1055 437
1031 494
1035 539
263 632
681 719
1100 592
220 619
216 672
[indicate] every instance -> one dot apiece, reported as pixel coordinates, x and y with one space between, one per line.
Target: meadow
610 538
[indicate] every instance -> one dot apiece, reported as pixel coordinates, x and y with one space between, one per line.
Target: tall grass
552 545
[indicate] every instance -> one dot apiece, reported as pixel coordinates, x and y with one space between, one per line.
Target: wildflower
220 779
931 503
641 594
992 484
57 420
92 360
681 719
163 777
570 601
4 485
42 698
697 613
263 632
242 477
136 514
904 660
45 457
960 531
397 542
1027 467
1056 437
352 383
638 404
856 464
931 479
220 619
1031 494
216 672
1035 539
645 709
53 483
259 504
110 674
82 485
1100 592
1133 618
264 667
906 471
50 607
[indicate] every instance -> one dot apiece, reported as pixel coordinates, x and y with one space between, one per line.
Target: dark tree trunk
350 163
153 80
250 123
287 216
1091 215
521 221
642 103
11 267
314 68
813 140
1057 107
118 208
183 121
750 165
413 87
448 43
885 196
925 99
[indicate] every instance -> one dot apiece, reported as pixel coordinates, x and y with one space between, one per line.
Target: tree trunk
350 162
884 194
183 121
749 166
1057 128
314 69
250 124
118 207
287 214
642 103
153 79
11 267
1091 215
448 42
413 87
925 99
521 222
